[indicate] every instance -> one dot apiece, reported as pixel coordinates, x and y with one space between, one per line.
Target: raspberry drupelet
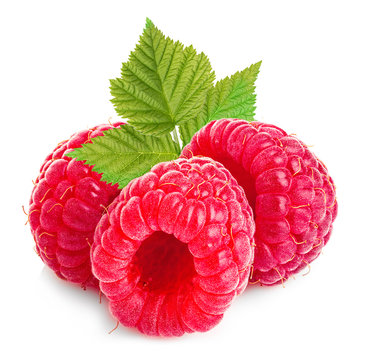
175 248
289 189
67 202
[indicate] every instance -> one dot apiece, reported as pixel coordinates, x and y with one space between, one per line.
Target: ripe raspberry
67 202
289 189
175 248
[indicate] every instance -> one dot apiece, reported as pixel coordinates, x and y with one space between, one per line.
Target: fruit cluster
171 250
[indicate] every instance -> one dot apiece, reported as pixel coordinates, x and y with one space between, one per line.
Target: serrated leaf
231 97
123 154
163 84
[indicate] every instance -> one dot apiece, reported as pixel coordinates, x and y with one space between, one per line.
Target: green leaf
163 84
123 154
232 97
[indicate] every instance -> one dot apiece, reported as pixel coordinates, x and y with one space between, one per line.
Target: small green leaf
123 154
232 97
163 84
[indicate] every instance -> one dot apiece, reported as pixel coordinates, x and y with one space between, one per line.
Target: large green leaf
163 84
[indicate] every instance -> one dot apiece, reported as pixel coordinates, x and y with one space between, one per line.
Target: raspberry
289 189
175 248
67 202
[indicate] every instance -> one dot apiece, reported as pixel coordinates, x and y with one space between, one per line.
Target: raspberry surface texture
289 189
175 248
67 202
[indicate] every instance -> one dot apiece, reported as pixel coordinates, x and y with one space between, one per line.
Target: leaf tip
258 64
72 154
148 23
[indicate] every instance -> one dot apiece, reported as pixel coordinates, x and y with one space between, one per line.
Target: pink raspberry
175 248
67 202
289 189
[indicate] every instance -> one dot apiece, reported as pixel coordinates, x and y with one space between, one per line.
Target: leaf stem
176 140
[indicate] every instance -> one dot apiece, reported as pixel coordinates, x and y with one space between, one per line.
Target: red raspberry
175 248
289 189
67 202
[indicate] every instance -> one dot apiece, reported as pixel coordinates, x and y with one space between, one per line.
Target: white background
56 59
